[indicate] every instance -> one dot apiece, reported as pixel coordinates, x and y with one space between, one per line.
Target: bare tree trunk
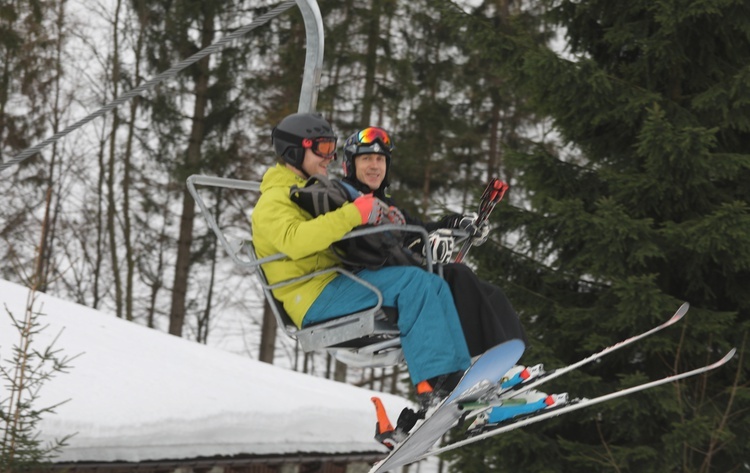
155 278
182 266
204 322
193 158
371 58
43 250
127 168
4 97
339 373
267 334
99 256
111 206
394 379
43 256
111 230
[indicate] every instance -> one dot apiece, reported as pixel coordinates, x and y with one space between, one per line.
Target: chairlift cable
168 74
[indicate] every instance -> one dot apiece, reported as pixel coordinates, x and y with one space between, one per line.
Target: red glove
371 210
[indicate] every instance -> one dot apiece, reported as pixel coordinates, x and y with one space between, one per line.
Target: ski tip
383 424
730 354
681 312
378 403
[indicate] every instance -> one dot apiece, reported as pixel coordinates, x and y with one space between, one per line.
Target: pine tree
23 374
640 202
26 71
29 83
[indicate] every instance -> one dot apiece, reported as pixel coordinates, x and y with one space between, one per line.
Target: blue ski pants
431 335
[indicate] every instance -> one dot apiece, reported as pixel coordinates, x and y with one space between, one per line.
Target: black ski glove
479 234
449 221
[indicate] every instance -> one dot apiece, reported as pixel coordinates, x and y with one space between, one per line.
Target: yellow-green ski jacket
281 226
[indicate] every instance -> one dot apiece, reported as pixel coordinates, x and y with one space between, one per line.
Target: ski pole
493 193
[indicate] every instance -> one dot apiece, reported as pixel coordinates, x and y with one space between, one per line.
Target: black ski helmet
370 140
289 134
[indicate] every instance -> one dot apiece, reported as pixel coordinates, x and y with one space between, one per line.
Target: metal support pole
308 99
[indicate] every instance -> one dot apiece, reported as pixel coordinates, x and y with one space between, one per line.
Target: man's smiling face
314 164
370 169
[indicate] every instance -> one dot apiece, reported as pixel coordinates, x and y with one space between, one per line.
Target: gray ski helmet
289 134
370 140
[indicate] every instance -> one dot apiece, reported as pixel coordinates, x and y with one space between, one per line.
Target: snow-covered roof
137 394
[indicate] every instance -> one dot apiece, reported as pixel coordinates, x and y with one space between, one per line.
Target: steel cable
169 73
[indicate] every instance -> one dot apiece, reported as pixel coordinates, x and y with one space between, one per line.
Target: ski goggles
323 147
372 134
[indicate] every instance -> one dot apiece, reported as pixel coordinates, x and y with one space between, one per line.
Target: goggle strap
283 135
362 148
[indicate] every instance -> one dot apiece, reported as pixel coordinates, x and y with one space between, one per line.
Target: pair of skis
556 373
575 405
491 430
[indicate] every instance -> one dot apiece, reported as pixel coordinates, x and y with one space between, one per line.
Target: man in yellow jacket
432 339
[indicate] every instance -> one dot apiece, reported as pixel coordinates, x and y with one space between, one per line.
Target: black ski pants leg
487 316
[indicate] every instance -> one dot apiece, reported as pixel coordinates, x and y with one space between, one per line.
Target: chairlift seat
369 338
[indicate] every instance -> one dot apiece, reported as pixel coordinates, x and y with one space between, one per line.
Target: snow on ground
138 394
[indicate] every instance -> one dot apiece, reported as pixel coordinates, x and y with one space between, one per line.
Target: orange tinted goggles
323 147
372 134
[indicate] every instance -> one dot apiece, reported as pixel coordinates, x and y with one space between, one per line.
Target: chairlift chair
369 338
